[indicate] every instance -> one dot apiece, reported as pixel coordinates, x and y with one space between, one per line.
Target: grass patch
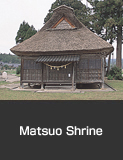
16 82
18 75
116 84
4 82
13 71
6 94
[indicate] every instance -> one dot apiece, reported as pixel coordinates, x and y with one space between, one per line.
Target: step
59 84
58 87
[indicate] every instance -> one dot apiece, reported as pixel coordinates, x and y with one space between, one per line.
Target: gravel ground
10 78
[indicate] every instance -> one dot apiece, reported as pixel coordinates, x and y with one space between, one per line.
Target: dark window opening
96 85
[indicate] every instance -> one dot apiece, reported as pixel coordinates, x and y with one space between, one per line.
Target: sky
14 12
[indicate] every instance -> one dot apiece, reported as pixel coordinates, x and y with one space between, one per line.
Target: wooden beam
63 18
69 22
21 74
73 77
102 72
58 22
31 81
42 85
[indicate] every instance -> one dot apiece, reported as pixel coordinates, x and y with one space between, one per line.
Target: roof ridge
63 6
63 11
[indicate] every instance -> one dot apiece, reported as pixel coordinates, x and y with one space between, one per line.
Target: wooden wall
31 71
87 70
54 75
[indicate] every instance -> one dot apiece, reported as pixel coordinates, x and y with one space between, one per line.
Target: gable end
63 23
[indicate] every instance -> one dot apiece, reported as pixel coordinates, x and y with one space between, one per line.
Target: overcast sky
14 12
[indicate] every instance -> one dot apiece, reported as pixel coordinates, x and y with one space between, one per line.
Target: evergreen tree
81 12
30 32
24 32
107 22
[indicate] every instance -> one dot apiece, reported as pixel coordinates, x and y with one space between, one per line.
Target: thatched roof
63 33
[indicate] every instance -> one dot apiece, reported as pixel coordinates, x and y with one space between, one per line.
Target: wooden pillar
119 47
105 66
42 84
21 74
102 72
73 77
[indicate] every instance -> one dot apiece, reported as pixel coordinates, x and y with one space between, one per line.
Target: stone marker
4 75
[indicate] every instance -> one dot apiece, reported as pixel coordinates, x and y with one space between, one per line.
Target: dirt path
10 78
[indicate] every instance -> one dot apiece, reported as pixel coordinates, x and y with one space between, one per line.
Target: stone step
58 87
59 84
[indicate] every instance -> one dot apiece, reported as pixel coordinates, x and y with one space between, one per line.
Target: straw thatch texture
60 40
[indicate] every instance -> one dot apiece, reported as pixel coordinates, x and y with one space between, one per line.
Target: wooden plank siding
31 71
60 75
87 70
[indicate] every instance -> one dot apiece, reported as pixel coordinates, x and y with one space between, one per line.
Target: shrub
115 73
110 77
118 76
18 70
6 66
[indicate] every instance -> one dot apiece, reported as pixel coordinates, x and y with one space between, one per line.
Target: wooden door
61 75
